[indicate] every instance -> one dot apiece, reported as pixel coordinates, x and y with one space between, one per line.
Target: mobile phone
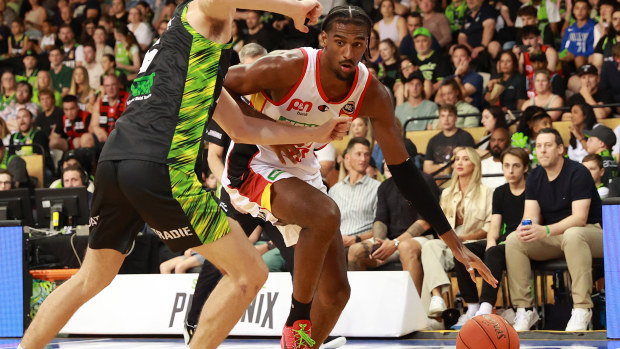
524 48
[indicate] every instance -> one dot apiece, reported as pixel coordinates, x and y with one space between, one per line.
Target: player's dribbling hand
473 263
305 9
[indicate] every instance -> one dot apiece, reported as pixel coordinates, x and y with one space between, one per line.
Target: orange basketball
487 331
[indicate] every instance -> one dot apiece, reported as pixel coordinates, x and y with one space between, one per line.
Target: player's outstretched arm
378 106
246 125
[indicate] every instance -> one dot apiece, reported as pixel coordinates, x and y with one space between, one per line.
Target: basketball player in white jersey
306 87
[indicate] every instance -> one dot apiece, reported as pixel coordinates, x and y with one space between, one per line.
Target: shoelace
303 337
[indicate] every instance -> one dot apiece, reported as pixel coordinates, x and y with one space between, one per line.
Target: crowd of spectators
68 68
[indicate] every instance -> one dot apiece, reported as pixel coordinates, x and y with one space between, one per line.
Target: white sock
485 308
472 308
20 346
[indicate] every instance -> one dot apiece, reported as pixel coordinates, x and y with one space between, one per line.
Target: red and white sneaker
297 336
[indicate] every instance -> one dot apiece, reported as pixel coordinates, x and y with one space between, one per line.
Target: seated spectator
73 176
390 63
492 165
436 22
50 119
108 64
8 12
469 82
478 30
533 119
466 203
601 140
182 264
48 40
511 90
34 18
538 61
377 153
69 46
61 74
126 52
44 82
80 88
100 37
582 118
532 45
492 117
455 12
29 135
507 211
433 66
75 122
373 47
406 69
543 96
356 195
16 166
566 225
451 93
140 29
72 159
529 15
589 93
7 90
407 47
440 148
259 33
416 105
29 74
594 164
93 68
578 41
6 180
360 127
399 232
107 110
23 99
603 50
118 12
391 26
18 40
605 10
610 74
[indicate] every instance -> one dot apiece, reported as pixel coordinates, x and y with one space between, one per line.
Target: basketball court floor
177 343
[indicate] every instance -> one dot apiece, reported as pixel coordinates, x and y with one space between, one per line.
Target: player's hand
288 151
305 9
473 263
333 129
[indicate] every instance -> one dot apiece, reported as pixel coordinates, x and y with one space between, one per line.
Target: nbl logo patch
348 109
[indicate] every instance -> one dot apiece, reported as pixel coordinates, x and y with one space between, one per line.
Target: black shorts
129 193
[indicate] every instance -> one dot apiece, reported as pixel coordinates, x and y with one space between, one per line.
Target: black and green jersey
172 98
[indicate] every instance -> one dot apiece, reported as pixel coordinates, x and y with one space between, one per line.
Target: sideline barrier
382 304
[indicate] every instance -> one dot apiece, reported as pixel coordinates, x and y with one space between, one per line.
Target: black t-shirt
440 147
555 198
433 68
394 210
5 32
515 89
510 207
265 37
47 123
80 10
172 99
605 96
605 44
473 25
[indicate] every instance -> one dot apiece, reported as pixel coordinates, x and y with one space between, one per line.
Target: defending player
146 170
306 87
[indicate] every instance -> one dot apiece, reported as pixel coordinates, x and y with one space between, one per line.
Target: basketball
487 331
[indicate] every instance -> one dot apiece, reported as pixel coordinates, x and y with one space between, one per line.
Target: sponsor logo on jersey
302 107
323 108
348 109
214 134
141 88
173 233
297 123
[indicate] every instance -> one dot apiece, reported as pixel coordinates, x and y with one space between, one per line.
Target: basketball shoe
297 336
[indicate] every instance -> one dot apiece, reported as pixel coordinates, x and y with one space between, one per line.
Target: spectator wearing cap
414 21
431 64
30 72
416 105
601 140
578 41
610 74
604 47
589 93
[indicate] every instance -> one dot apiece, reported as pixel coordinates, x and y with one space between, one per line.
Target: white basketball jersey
307 105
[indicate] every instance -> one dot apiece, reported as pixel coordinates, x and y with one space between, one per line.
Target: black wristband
358 238
412 186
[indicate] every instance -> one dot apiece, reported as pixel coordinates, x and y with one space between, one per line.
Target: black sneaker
188 332
333 342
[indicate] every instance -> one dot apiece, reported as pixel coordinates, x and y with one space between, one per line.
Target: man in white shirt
491 167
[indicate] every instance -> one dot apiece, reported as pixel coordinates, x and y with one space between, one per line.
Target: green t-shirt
62 79
406 111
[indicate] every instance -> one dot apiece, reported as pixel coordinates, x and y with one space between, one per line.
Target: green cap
422 31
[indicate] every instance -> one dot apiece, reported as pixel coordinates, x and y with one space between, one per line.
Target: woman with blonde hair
82 90
44 82
466 203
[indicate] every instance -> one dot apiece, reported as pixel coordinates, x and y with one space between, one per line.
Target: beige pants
578 245
437 258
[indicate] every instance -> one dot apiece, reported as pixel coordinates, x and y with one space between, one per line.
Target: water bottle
526 222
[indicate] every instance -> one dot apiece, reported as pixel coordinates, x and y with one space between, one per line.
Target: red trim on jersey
253 187
324 145
320 87
361 99
292 91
